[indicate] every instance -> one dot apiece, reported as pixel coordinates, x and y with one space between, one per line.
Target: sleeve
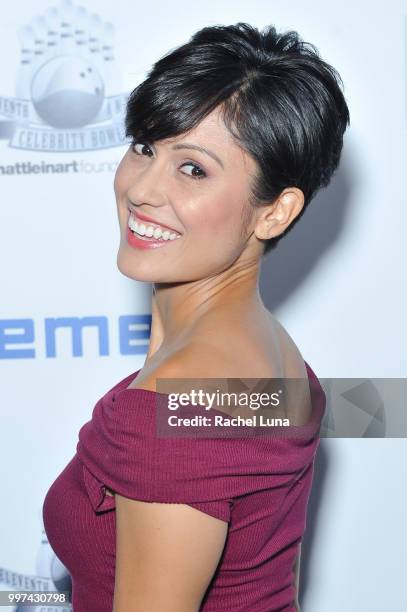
119 448
102 502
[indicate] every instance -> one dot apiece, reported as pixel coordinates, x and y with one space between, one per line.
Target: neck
177 308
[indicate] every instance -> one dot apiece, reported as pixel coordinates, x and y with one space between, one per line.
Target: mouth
150 232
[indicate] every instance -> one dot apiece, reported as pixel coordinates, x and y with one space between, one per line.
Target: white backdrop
337 282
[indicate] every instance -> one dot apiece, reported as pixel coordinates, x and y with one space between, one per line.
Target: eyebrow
186 145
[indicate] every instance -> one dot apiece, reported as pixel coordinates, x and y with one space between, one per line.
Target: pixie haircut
281 102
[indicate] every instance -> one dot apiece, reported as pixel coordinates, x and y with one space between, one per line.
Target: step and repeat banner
71 325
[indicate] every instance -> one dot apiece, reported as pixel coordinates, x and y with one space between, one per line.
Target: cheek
218 213
120 177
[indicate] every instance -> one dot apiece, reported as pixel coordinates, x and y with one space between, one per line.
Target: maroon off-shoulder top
260 485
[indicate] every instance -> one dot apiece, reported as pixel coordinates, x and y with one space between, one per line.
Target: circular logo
67 92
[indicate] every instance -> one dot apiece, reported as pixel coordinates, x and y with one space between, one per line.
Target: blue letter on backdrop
134 334
76 325
25 334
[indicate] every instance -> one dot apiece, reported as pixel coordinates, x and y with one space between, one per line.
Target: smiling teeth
150 231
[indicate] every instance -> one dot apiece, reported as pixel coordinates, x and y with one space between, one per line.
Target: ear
276 217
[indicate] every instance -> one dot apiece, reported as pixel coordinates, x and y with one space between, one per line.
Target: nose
148 186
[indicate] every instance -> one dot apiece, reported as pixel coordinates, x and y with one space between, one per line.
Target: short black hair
282 102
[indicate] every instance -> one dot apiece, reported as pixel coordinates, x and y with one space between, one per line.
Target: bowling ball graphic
67 92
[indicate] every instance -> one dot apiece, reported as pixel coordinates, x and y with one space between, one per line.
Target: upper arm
166 555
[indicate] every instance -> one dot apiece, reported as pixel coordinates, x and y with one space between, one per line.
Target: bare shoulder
268 352
195 360
293 364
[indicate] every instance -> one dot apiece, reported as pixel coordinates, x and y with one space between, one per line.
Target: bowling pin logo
68 79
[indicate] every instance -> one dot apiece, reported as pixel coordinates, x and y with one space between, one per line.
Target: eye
196 173
143 148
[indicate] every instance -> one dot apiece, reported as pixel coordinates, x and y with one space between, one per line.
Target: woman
232 134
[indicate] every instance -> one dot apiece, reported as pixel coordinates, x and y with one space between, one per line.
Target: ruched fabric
259 485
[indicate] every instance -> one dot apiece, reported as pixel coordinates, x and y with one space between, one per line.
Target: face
195 188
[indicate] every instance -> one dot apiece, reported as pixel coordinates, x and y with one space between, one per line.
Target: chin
136 269
132 269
